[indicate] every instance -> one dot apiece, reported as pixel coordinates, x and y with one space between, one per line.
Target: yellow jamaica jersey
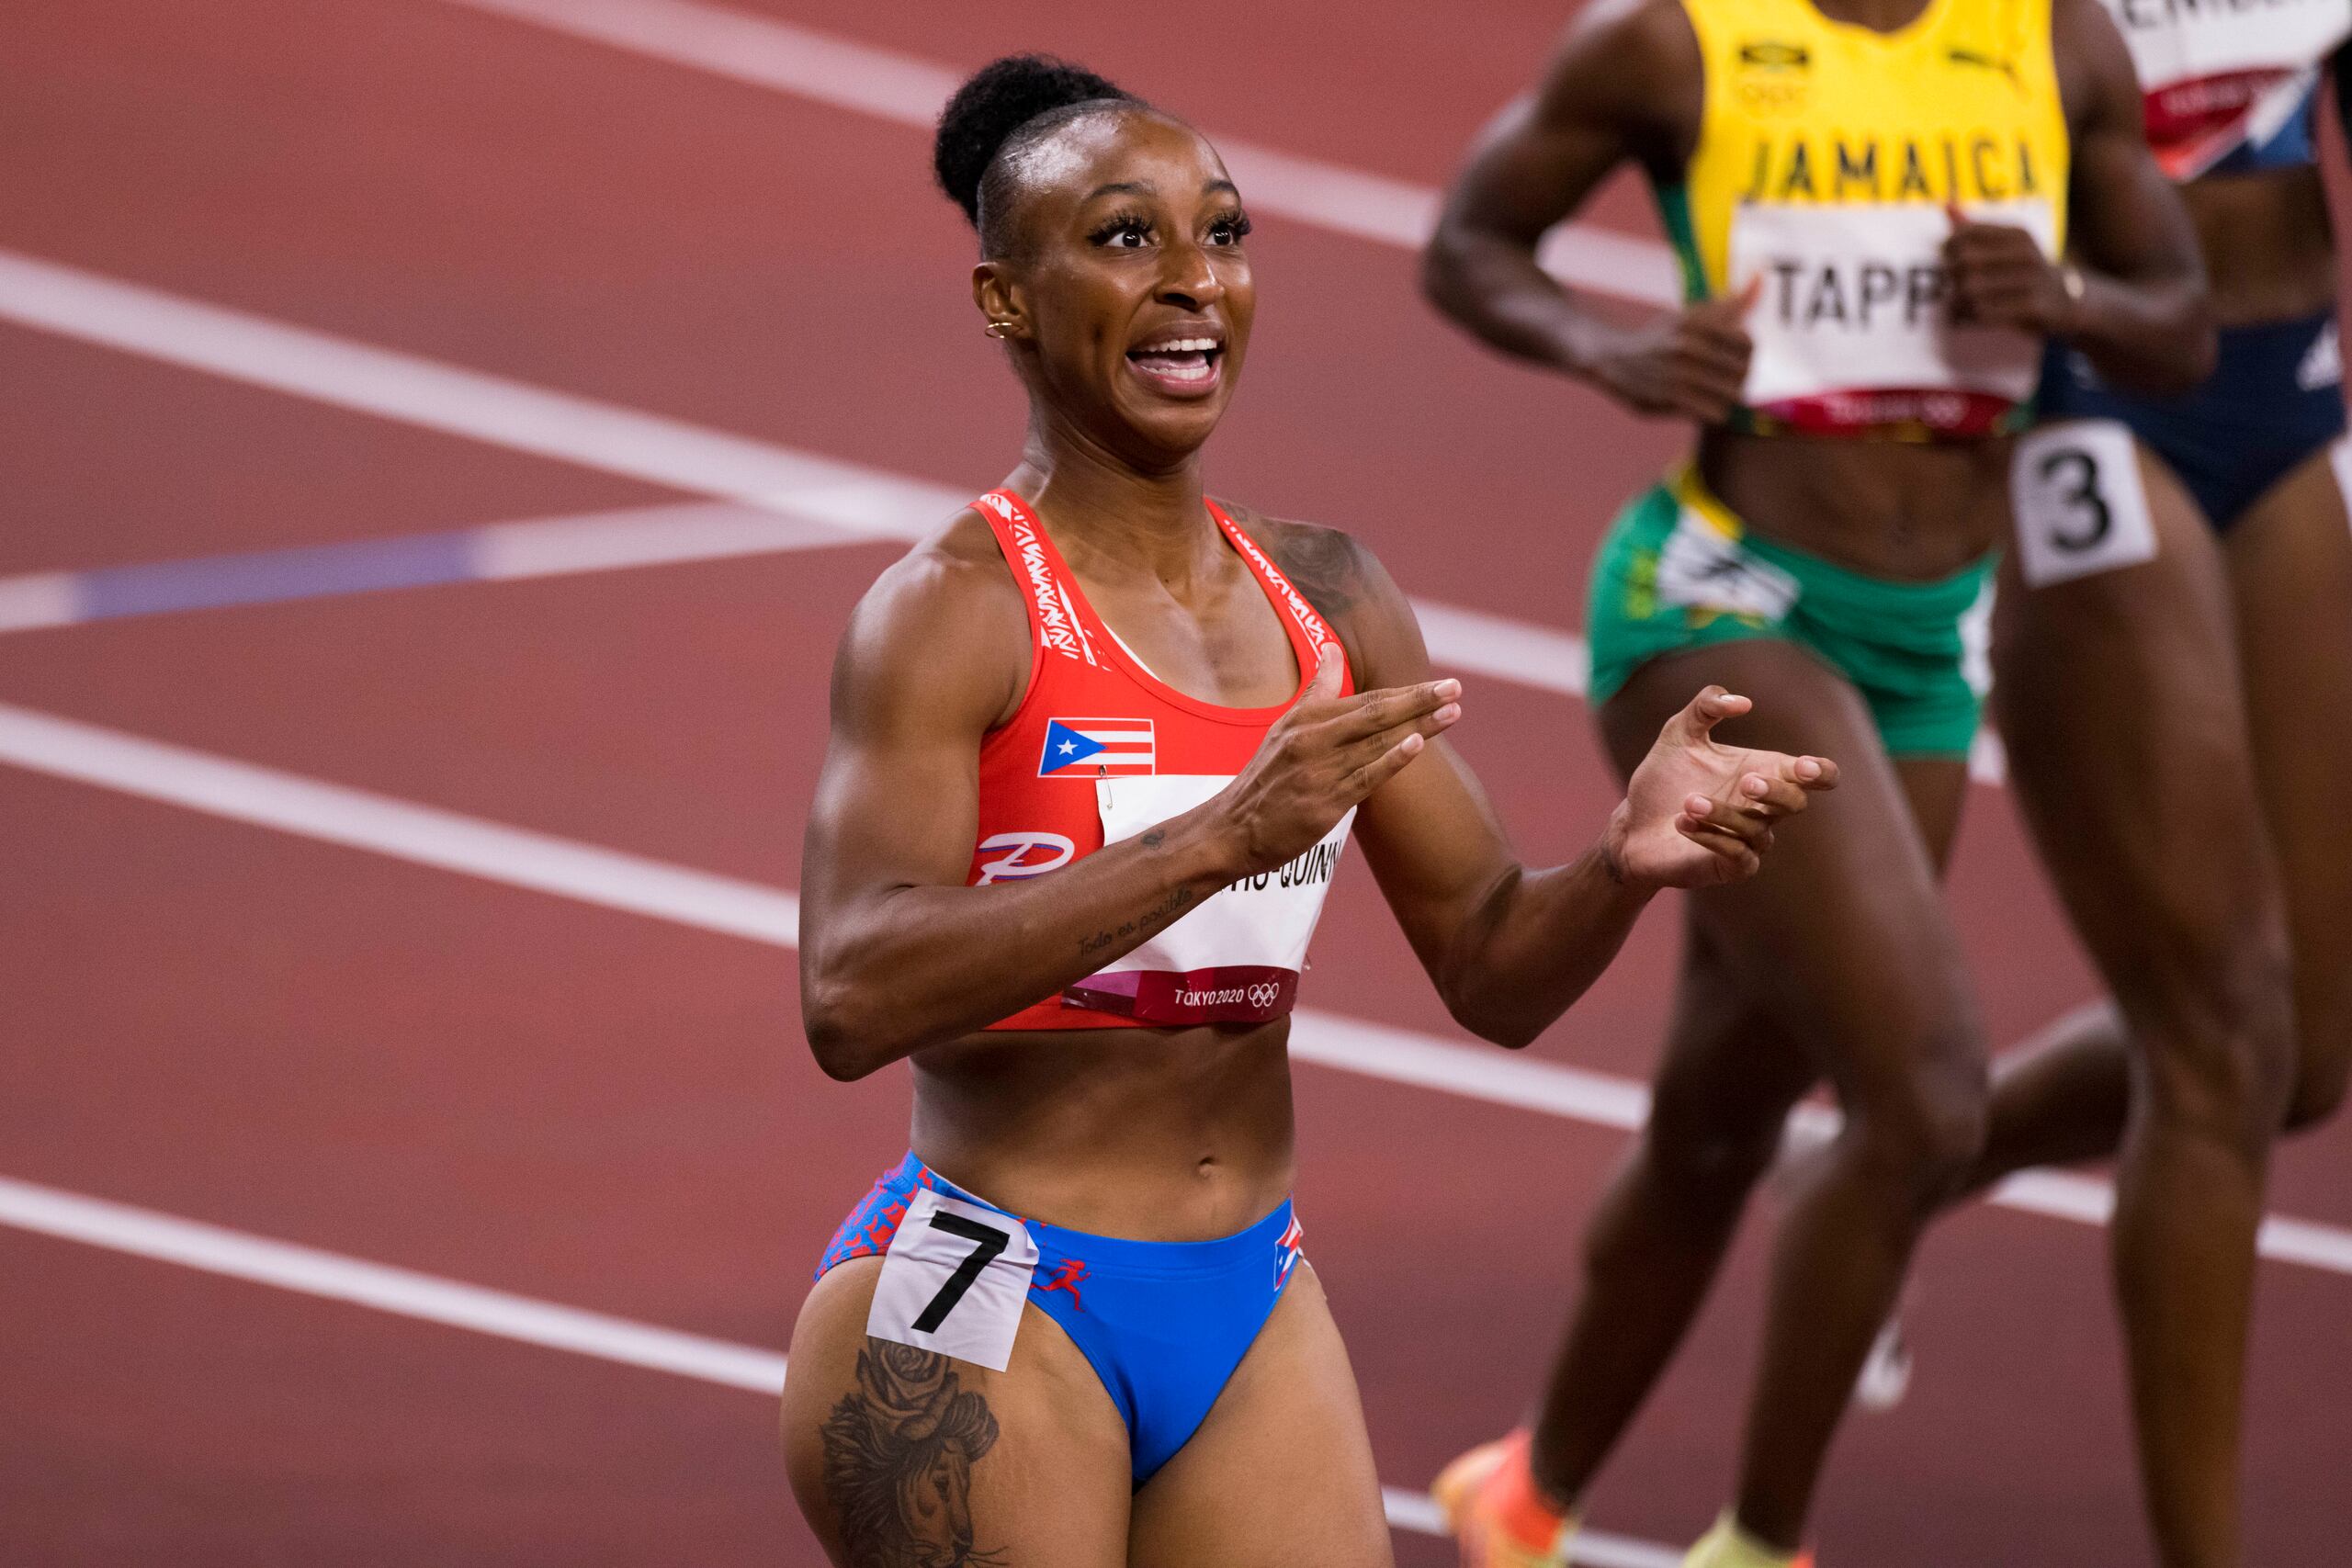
1828 156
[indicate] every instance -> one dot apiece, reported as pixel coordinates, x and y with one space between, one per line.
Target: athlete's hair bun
993 104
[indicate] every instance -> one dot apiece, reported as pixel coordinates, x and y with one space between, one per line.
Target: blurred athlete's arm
895 953
1510 947
2138 306
1624 85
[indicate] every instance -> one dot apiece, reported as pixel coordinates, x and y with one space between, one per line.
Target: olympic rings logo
1264 994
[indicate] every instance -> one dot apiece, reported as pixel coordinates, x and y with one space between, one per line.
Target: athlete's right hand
1325 756
1692 363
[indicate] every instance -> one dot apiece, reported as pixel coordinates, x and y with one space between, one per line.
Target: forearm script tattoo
898 1458
1175 903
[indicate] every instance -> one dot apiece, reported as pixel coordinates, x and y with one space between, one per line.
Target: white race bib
1236 958
2174 41
1853 326
2222 75
955 1280
2080 505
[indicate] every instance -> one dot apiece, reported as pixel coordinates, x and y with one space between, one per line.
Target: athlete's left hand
1698 813
1999 278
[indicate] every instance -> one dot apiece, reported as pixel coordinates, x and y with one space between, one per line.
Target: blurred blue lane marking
548 547
210 582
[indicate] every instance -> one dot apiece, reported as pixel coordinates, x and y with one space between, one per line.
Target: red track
336 1049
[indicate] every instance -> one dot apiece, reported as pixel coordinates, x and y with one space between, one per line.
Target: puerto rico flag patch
1288 1250
1096 747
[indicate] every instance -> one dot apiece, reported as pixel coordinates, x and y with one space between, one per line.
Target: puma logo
1986 63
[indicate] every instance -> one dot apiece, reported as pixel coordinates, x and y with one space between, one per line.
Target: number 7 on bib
955 1280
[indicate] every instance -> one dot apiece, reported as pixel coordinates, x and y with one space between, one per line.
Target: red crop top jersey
1101 750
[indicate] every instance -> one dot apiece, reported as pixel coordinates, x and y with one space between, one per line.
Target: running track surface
395 907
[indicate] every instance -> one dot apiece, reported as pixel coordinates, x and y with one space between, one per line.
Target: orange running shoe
1497 1514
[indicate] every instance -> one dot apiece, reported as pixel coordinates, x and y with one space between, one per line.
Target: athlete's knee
2199 968
2212 1004
1924 1134
1707 1155
1677 1192
1707 1178
2227 1077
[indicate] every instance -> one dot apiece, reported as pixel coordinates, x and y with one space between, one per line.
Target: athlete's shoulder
2096 79
1339 574
1649 38
1632 65
1331 567
947 615
954 569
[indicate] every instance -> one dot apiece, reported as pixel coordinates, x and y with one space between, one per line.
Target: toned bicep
1435 847
920 676
1428 834
897 805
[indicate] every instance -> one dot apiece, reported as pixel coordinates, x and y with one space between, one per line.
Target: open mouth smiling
1185 365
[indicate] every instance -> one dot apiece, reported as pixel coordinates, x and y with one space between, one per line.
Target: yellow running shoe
1728 1546
1497 1514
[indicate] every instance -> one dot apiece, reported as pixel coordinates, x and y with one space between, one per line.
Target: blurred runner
1870 198
2174 655
1097 747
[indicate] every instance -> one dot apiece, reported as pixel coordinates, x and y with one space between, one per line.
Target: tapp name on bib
1853 326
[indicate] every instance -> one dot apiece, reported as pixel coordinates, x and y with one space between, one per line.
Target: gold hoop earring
998 329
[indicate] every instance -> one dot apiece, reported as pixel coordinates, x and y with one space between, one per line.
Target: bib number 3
2080 505
955 1280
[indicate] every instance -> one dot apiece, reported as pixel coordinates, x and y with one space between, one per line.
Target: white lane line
862 502
457 401
503 1315
268 797
648 536
284 1265
1519 651
360 819
37 599
866 79
1497 1077
1412 1510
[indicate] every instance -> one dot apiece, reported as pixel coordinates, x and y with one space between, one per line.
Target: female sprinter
1096 747
2175 653
1867 196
